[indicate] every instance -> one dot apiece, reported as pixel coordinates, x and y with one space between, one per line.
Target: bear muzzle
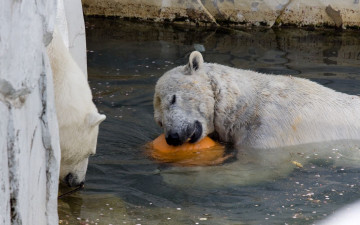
192 133
72 180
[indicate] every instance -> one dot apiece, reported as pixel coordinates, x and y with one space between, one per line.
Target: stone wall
29 140
76 32
29 135
70 23
235 12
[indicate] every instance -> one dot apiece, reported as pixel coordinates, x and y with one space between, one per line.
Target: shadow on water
123 185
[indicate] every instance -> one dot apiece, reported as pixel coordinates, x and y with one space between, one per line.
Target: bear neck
236 103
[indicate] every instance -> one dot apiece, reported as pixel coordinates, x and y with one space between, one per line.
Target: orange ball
203 152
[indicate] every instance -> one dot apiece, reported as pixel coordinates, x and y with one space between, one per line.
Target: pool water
296 185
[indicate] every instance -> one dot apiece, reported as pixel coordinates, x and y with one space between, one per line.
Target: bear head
184 102
77 143
77 116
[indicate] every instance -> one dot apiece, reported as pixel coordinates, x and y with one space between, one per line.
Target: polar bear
250 109
77 115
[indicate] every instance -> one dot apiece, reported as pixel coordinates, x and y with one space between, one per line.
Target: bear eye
173 100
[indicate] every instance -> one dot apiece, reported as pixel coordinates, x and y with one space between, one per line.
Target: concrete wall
70 22
29 140
29 135
76 32
238 12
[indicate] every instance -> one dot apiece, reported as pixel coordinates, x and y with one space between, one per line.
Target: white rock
29 140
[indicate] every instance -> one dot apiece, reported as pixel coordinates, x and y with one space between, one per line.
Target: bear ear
195 61
95 118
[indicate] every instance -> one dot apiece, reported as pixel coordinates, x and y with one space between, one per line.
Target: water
299 185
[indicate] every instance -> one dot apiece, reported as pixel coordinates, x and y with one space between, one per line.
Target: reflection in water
125 60
254 166
110 209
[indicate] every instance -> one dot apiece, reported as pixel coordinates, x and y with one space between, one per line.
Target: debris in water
297 164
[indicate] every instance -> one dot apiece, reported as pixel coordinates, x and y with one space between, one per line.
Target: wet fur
77 115
253 109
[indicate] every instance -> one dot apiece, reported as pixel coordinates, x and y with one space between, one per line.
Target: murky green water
124 186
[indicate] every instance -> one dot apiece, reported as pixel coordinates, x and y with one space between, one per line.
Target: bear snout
173 139
72 180
192 133
197 133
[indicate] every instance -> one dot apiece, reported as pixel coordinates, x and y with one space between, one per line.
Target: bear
77 115
250 109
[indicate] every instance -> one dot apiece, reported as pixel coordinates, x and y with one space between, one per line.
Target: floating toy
202 153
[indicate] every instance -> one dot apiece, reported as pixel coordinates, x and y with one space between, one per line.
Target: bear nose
173 139
71 180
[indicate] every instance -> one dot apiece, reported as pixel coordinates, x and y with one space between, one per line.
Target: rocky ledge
270 13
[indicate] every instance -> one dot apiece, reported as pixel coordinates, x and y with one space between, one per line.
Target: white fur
77 115
251 109
348 215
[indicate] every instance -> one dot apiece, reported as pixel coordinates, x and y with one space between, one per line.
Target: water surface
124 186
